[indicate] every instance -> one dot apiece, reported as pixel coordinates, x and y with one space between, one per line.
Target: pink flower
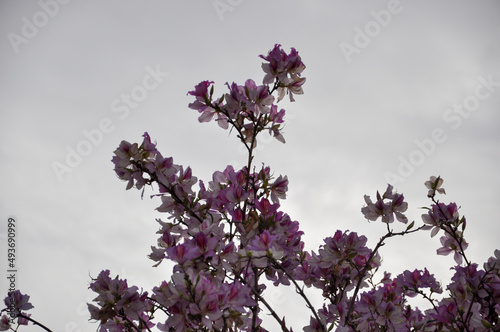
265 207
236 194
314 326
386 210
236 296
286 69
493 262
185 181
277 66
131 303
147 146
398 207
279 189
275 116
416 280
203 104
281 64
259 99
4 323
164 166
206 245
449 244
234 99
434 184
23 320
263 242
295 86
208 310
202 95
294 62
125 152
446 312
182 253
439 216
276 119
18 302
373 211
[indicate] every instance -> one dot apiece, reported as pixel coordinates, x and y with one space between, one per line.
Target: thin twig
34 322
267 305
301 293
365 269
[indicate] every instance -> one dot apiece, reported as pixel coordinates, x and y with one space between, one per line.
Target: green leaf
410 226
486 324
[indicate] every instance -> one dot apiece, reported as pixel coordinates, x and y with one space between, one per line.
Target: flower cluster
250 108
120 306
16 304
199 301
211 260
474 301
441 216
285 70
395 206
338 265
434 185
228 236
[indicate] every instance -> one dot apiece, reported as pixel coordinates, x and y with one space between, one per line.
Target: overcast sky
396 91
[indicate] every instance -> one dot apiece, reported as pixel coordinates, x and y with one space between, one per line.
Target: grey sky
367 100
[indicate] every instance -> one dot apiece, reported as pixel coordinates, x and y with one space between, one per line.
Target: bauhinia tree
228 236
